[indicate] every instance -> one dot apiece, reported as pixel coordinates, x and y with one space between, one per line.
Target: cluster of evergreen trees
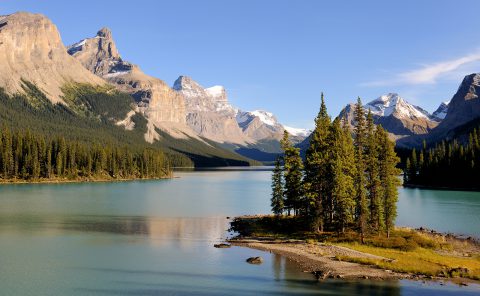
345 182
26 156
451 165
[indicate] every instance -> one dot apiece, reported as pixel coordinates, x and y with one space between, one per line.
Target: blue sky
279 55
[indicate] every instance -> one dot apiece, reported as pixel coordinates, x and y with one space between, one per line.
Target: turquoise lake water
156 238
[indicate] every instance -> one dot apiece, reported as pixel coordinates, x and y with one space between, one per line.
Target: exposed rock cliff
31 49
209 113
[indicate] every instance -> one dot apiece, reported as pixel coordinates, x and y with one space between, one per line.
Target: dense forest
25 156
346 182
446 165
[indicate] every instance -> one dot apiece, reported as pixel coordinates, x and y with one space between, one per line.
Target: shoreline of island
332 260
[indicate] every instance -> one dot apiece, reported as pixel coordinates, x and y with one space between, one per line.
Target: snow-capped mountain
391 103
396 115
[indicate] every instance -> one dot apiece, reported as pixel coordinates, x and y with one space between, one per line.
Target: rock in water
255 260
222 246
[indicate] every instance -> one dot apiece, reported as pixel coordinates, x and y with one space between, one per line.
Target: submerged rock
255 260
222 246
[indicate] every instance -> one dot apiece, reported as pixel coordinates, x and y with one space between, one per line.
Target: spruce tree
342 172
389 179
360 179
316 159
277 200
373 178
293 168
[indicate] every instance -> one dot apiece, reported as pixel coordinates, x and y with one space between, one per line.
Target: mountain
461 115
31 50
209 113
465 104
441 111
162 106
396 115
254 134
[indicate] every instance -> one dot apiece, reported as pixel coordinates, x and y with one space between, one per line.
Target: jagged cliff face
31 49
465 104
209 113
396 115
155 99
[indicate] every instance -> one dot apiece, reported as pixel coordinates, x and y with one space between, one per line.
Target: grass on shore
422 261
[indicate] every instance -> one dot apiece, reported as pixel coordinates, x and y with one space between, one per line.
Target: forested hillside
90 120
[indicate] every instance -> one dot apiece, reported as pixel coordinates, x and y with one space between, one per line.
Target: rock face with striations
31 49
162 106
209 113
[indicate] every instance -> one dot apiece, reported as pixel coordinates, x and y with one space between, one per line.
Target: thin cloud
428 74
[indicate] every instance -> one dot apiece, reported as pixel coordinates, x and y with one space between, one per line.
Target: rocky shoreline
319 259
326 258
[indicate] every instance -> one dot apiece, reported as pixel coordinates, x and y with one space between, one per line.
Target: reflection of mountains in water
182 229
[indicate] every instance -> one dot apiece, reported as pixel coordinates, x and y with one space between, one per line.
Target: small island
334 212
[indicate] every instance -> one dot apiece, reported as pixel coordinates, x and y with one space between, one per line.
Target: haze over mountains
32 54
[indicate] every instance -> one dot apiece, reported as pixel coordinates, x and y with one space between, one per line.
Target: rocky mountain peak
105 33
465 104
441 111
31 49
99 54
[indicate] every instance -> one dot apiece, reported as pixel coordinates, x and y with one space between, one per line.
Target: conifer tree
342 171
389 179
277 200
373 178
316 159
293 168
360 179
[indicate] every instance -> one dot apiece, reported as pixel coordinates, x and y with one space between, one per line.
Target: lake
156 238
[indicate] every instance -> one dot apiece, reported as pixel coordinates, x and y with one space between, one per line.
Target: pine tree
389 179
316 159
293 168
277 200
360 179
342 172
373 178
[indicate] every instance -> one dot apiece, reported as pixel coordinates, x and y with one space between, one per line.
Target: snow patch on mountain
298 132
216 91
265 117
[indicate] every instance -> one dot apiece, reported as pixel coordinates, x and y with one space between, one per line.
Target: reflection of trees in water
109 224
171 228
